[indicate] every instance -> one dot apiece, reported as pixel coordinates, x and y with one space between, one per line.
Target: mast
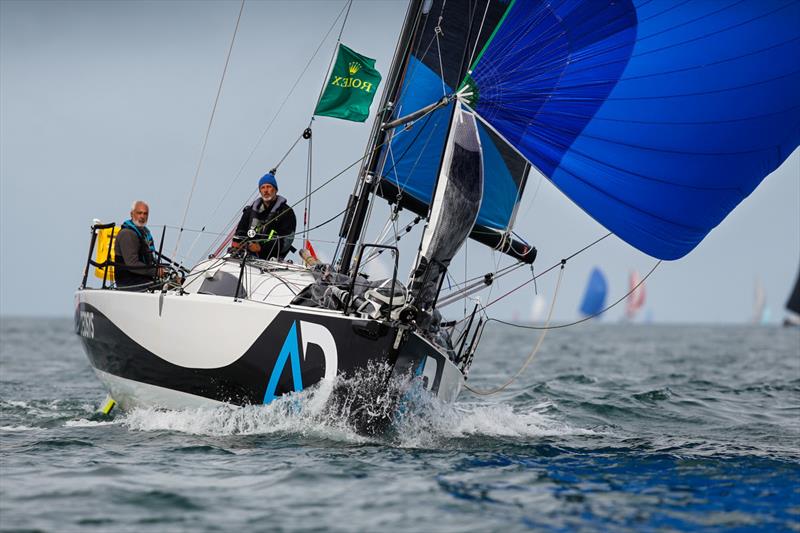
358 206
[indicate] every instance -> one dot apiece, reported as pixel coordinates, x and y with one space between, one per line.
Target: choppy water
613 427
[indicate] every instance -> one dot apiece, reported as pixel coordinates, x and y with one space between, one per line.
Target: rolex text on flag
350 88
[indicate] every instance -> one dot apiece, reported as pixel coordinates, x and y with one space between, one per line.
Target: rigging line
588 317
477 286
466 252
307 215
226 233
496 262
289 151
334 217
348 5
304 232
464 286
548 270
523 182
371 205
197 238
437 31
533 352
275 116
471 289
208 130
408 228
340 173
535 193
275 237
384 238
192 230
478 39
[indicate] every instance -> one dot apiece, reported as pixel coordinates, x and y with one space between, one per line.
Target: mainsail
656 118
793 304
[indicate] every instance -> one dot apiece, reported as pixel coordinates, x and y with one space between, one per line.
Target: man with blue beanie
271 220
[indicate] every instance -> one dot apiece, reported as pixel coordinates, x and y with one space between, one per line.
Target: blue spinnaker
656 118
594 299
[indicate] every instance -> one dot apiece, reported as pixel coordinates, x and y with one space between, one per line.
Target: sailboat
636 296
656 120
760 310
538 309
792 317
594 296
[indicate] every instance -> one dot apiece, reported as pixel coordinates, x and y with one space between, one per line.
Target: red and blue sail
656 118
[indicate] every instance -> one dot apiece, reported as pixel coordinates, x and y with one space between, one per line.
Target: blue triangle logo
289 351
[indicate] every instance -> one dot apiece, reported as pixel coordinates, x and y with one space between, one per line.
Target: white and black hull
178 350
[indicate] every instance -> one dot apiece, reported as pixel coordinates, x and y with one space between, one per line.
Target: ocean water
612 427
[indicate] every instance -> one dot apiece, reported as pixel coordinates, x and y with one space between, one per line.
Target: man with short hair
135 265
272 221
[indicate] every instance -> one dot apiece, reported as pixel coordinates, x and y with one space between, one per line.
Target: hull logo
292 351
427 370
86 324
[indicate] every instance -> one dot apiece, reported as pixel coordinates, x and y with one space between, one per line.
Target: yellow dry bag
105 251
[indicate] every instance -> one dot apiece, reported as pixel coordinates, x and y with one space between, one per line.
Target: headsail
447 35
656 118
793 304
457 201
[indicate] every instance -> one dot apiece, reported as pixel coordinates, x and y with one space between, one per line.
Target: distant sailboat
792 317
760 310
538 308
594 299
636 298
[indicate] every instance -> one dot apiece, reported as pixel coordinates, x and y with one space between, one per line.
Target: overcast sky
102 103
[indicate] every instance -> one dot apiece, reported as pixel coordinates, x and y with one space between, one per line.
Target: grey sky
102 103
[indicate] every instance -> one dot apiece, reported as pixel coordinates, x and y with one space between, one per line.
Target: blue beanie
268 178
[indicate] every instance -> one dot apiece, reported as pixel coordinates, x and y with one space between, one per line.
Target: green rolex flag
351 87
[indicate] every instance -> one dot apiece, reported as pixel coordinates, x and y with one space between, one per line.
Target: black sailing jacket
274 226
